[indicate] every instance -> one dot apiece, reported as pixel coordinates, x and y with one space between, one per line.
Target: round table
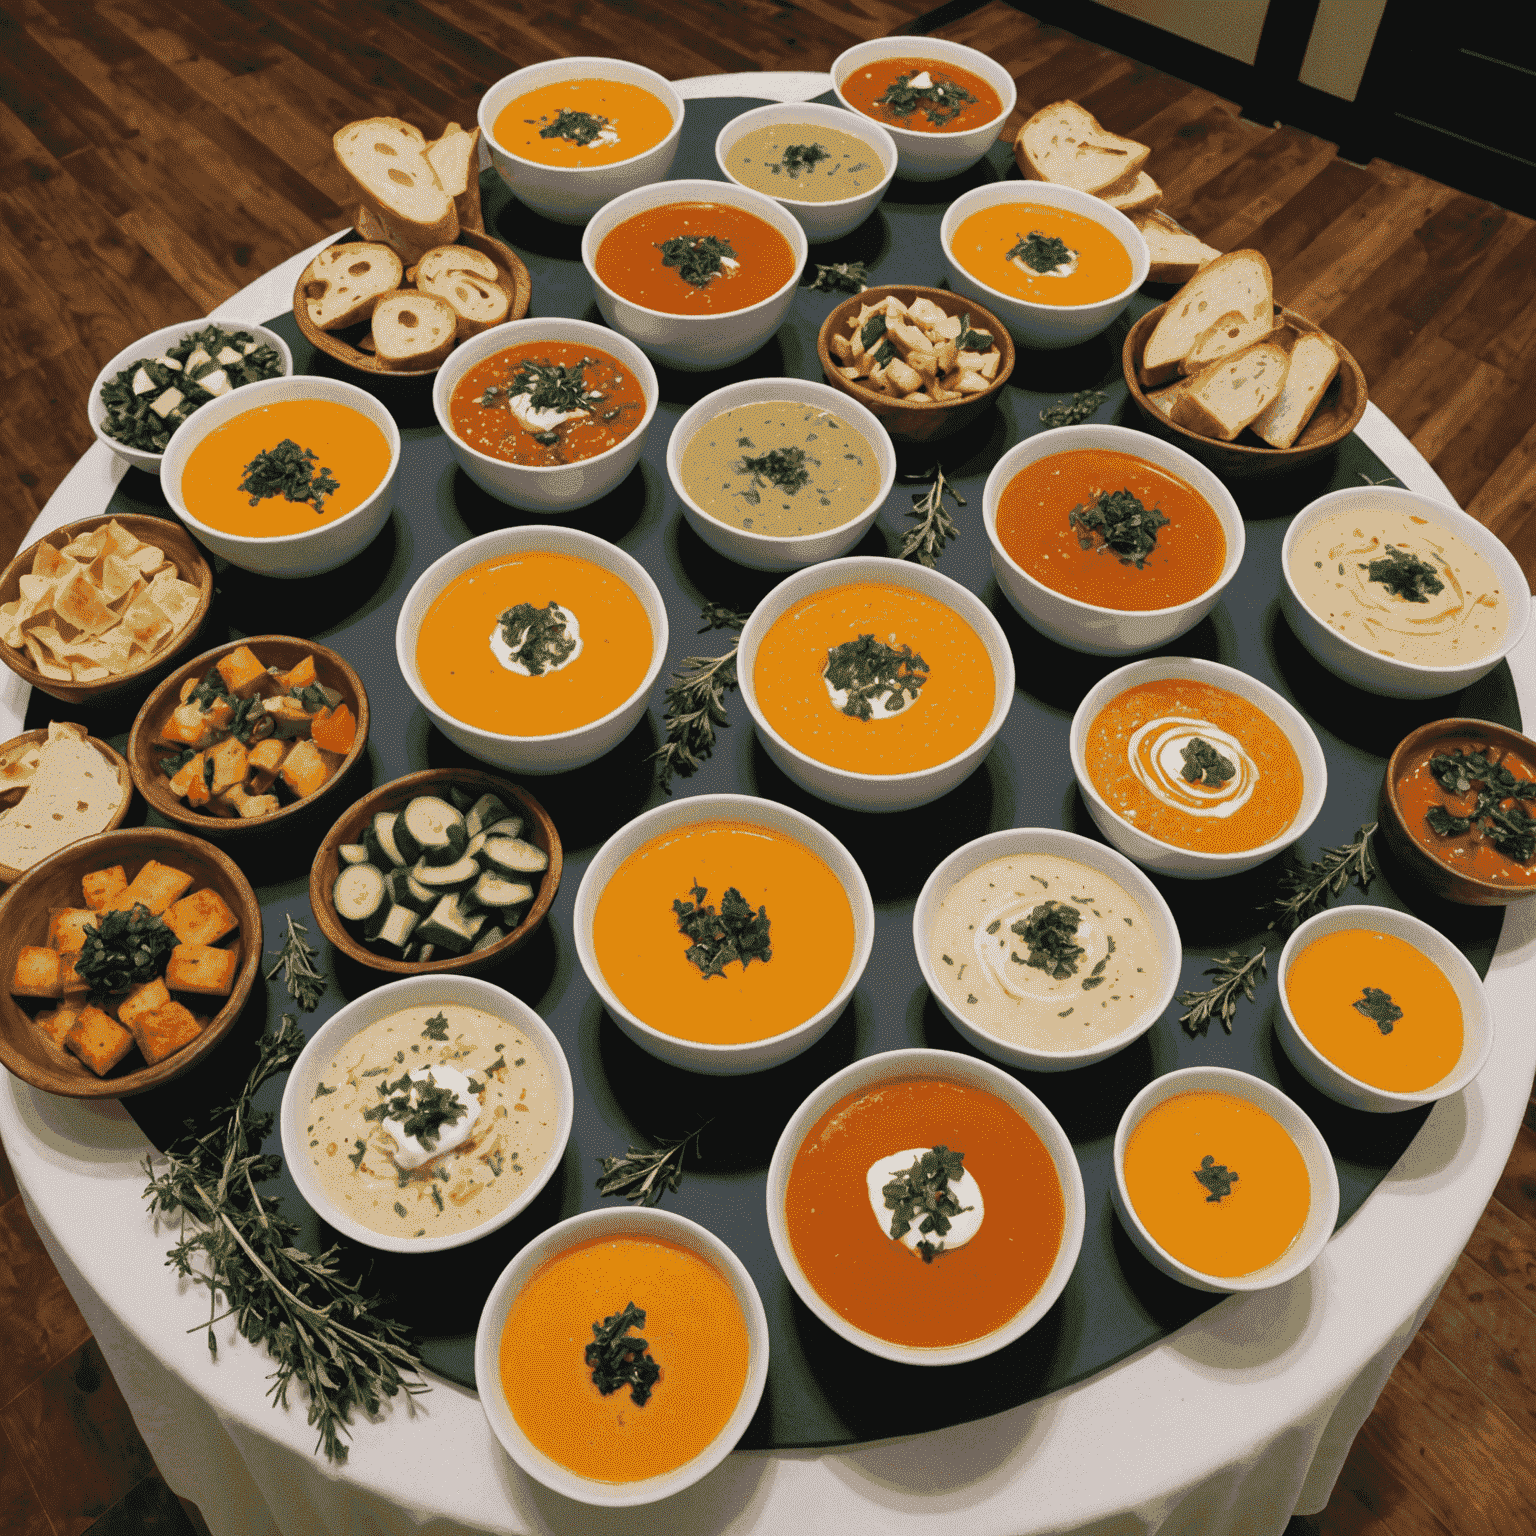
1229 1425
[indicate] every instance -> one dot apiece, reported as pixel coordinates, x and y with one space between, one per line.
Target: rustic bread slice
469 282
1227 305
413 330
1168 396
1222 401
387 160
1064 143
455 156
344 282
1314 362
1176 254
1136 193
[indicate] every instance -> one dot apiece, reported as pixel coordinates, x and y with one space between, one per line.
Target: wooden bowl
916 421
145 748
511 275
10 797
1464 889
191 565
540 831
1338 413
55 882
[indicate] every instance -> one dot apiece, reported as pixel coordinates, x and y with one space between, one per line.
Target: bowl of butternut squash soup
285 477
1222 1181
1380 1010
724 933
926 1206
533 647
621 1355
1107 540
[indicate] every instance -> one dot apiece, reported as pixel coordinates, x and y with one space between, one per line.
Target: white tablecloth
1225 1428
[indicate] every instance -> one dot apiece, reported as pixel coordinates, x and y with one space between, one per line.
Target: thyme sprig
1306 888
936 524
696 702
296 960
1079 408
1236 976
644 1174
841 277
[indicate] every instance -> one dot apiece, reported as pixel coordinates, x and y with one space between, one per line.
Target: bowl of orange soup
698 273
285 477
926 1206
1056 265
1107 540
568 135
724 933
534 647
875 684
1380 1010
550 1355
1222 1181
1194 769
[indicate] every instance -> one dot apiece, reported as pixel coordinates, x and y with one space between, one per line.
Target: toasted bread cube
902 378
37 972
840 348
949 327
187 727
99 1041
926 312
919 394
305 769
252 806
229 760
58 1023
163 1031
240 670
190 773
204 917
300 675
155 886
290 719
67 928
219 714
263 762
71 983
971 384
202 968
946 356
143 998
101 885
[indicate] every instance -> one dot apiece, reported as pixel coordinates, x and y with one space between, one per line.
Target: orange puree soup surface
548 125
1242 1231
696 1333
343 441
983 241
1330 976
643 953
461 672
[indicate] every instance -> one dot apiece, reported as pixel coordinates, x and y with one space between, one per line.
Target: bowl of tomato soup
1107 540
1194 769
1380 1010
570 134
698 273
894 1141
724 933
550 1349
285 477
533 647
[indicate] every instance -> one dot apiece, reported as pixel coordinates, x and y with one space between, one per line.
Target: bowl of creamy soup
1400 594
427 1113
1046 950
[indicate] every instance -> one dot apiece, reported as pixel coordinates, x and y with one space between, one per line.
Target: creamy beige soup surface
435 1182
1042 995
805 162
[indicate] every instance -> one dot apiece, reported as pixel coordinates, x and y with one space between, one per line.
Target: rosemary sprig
1306 888
936 525
841 277
696 702
643 1175
296 960
319 1327
1236 975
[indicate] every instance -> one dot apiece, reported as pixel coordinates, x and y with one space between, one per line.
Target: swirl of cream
1386 615
1156 756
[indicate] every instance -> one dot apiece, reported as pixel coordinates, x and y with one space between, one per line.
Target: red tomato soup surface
925 95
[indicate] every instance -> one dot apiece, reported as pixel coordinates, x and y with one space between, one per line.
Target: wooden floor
156 157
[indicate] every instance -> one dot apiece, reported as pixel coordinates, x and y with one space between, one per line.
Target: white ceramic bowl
700 1056
356 1016
286 555
624 1222
1187 863
560 750
762 551
1086 626
1476 1013
537 487
947 1066
1322 1215
695 343
876 791
1012 843
1045 326
152 346
820 221
1369 669
932 156
572 194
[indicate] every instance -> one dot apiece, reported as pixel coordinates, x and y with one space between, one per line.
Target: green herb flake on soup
805 162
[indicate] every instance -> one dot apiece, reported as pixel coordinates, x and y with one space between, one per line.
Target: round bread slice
387 160
413 330
467 280
344 282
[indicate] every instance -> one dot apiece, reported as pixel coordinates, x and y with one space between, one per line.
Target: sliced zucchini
443 877
424 952
487 810
475 844
425 830
462 799
397 926
495 890
358 893
374 926
488 936
511 826
352 853
407 892
446 927
512 856
382 834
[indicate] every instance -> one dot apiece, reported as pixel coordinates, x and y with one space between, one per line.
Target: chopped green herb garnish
1379 1008
617 1359
972 341
436 1027
539 638
399 1209
800 157
356 1158
423 1108
1049 933
123 949
171 766
867 668
737 933
1203 764
494 1163
921 1197
581 128
1404 575
1127 529
872 330
782 468
1079 408
437 1196
699 259
321 1090
1040 253
1215 1177
291 472
940 102
841 277
1510 829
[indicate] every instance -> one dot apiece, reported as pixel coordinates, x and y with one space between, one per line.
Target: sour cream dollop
508 655
409 1151
966 1190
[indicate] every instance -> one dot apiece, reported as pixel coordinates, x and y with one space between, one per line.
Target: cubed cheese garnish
166 403
142 383
169 362
227 355
249 347
199 359
216 383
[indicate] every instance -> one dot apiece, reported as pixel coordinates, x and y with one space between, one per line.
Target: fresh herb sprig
123 949
296 960
841 277
1236 976
618 1358
696 702
644 1174
1079 408
936 524
1306 888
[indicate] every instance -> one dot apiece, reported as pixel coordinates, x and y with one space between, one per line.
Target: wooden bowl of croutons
924 360
124 959
247 734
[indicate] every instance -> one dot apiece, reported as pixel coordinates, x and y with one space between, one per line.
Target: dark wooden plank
64 116
45 430
21 1511
1369 1499
40 1324
1238 199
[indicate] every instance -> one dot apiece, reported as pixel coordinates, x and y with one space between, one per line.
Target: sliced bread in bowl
1223 399
1226 306
345 281
1136 193
387 161
413 330
1314 362
469 282
454 156
1066 144
1176 254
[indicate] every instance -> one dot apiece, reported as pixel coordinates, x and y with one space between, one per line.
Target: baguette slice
413 330
1314 362
1136 193
1168 396
455 156
1064 143
1226 306
387 160
1176 254
469 282
1222 401
344 282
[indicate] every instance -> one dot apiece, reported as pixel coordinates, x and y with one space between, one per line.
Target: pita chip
48 667
113 577
177 599
86 546
78 603
146 622
50 564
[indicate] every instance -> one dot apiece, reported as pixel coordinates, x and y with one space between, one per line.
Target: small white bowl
560 750
1322 1214
1014 842
647 1224
152 346
876 791
1186 863
287 555
820 221
695 343
1388 675
1045 326
697 1055
572 194
946 1066
762 551
932 156
538 487
1476 1013
356 1016
1086 626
